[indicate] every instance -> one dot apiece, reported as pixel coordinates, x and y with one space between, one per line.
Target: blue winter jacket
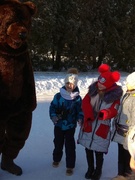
67 107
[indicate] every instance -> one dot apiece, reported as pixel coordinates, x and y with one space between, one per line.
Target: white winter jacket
126 118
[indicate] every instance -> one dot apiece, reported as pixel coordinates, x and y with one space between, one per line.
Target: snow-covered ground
48 83
36 156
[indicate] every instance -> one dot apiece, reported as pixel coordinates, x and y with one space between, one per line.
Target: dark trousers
13 134
123 161
66 138
98 160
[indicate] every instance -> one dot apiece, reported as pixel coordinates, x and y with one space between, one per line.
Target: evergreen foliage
83 34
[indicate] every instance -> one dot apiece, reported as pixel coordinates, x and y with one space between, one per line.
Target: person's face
69 86
101 87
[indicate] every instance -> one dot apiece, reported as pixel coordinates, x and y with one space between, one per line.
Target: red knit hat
107 78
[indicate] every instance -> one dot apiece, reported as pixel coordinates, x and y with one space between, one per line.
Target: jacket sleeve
109 113
87 108
80 115
53 107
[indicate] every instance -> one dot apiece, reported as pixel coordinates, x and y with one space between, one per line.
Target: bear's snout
23 35
16 35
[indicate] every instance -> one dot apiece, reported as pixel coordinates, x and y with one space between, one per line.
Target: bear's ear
31 6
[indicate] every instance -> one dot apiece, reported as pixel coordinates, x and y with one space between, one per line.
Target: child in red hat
99 105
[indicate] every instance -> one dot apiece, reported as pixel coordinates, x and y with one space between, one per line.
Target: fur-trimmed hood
112 94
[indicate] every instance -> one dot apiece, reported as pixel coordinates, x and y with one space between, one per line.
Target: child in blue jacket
65 110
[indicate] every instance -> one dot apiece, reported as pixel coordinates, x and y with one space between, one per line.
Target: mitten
54 119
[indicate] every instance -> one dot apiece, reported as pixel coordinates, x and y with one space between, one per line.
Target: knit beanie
107 77
130 80
72 76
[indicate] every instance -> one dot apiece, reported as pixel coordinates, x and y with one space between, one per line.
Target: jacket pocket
102 131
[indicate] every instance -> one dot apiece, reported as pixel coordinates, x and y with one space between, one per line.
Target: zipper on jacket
96 119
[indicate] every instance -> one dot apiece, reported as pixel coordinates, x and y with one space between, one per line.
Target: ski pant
123 161
98 159
66 138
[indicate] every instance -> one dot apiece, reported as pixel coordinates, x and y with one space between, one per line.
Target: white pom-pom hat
72 78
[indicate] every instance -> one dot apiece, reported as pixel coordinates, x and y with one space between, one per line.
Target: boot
90 161
99 163
121 172
128 172
131 177
119 177
7 164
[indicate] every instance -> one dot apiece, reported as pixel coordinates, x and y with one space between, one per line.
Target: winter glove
54 119
80 122
109 113
103 114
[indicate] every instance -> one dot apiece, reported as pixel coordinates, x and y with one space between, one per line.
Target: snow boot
69 171
90 161
123 172
55 164
131 176
99 163
7 164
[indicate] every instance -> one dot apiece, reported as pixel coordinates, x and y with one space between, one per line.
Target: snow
36 156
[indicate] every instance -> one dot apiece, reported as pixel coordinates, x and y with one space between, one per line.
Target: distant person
65 111
125 123
99 106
